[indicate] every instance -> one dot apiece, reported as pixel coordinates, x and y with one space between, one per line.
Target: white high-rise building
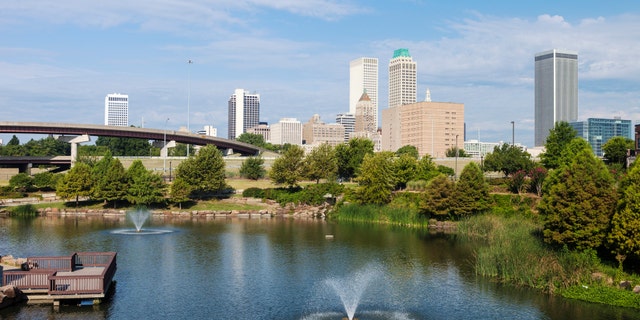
348 121
287 130
116 110
556 91
244 112
363 77
403 79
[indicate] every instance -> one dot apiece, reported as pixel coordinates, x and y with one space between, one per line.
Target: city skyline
59 61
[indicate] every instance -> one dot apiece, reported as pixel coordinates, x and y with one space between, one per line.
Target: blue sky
60 58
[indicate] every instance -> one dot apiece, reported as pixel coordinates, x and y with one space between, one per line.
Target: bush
25 210
253 192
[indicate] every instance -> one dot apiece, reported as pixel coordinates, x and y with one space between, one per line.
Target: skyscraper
403 79
116 110
365 115
244 112
348 121
363 76
556 91
597 131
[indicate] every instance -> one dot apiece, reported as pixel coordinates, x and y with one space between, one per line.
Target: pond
279 268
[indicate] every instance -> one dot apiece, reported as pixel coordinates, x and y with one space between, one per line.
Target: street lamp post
190 62
164 148
513 133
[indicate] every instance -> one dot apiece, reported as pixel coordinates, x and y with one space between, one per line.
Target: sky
59 59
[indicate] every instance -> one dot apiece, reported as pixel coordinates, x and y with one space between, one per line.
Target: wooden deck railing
27 279
63 263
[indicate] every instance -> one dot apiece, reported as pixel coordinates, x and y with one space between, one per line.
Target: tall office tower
116 110
363 76
403 79
597 131
556 91
287 130
365 115
244 112
348 121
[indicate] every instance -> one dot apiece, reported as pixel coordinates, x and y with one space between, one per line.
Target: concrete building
287 130
598 131
363 77
348 121
262 129
244 112
432 127
403 79
316 132
209 131
556 91
116 110
365 115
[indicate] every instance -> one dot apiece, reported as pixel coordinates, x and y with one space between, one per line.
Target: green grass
379 214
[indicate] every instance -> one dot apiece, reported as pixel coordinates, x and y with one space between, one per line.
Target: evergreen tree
436 198
376 180
204 172
625 225
471 192
76 183
21 182
578 203
321 163
287 169
180 191
112 185
253 168
559 137
145 187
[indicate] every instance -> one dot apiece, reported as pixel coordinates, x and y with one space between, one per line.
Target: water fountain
139 217
350 289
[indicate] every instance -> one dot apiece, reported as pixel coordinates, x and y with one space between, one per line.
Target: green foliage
35 148
350 157
436 198
21 182
625 225
456 152
25 211
253 192
287 169
471 193
252 138
396 215
446 170
204 172
559 137
377 179
111 185
45 180
144 186
537 176
311 195
408 150
180 191
76 183
253 168
321 163
416 185
518 182
405 168
508 159
615 150
125 146
603 294
578 203
427 169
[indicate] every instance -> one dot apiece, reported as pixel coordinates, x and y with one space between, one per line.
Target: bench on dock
82 273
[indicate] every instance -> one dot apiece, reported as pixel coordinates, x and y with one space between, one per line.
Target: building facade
363 77
116 110
348 121
244 112
598 131
287 130
431 127
403 79
365 115
262 129
556 91
316 132
209 131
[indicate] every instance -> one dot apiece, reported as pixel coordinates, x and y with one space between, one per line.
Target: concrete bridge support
74 140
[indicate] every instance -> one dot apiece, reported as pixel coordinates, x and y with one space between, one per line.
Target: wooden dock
82 276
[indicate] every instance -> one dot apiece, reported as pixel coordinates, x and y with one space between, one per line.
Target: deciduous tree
321 163
76 183
351 155
559 137
508 159
625 225
376 180
204 172
287 169
408 149
145 187
615 150
253 168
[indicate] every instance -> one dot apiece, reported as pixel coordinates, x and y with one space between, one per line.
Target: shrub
253 192
25 210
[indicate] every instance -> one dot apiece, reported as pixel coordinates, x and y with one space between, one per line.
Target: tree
125 146
405 168
112 185
456 152
287 169
252 138
14 141
21 182
45 180
623 237
377 179
145 187
537 176
76 183
180 191
204 172
427 169
616 149
559 137
321 163
508 159
351 155
408 149
471 192
436 198
578 203
253 168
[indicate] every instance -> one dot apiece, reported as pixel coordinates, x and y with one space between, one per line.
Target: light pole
456 171
190 62
513 133
164 148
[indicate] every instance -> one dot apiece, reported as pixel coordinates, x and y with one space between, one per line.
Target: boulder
10 295
625 284
636 289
